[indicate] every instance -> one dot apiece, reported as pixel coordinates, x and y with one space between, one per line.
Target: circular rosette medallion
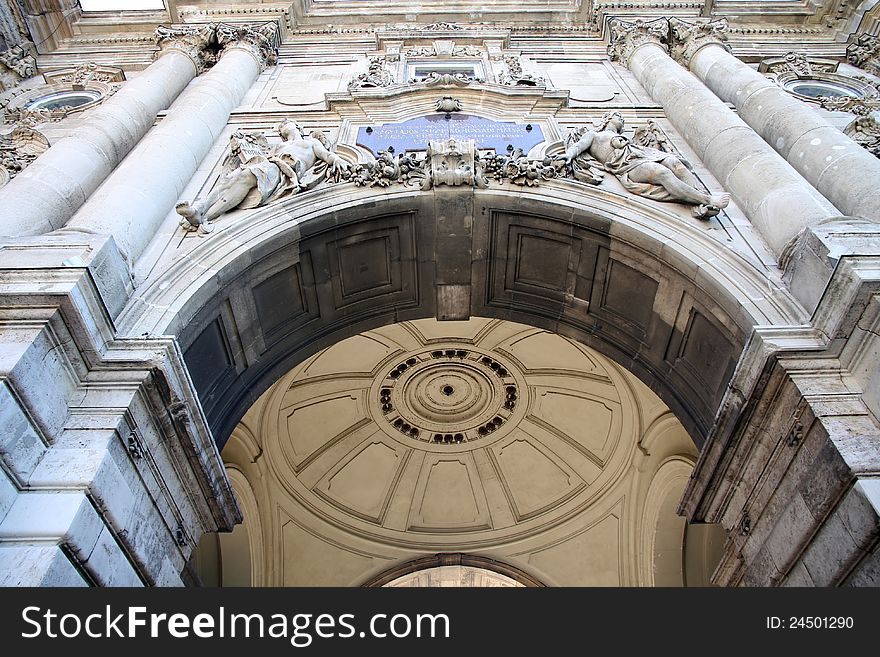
449 395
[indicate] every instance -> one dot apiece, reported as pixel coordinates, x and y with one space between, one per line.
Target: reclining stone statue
642 170
256 173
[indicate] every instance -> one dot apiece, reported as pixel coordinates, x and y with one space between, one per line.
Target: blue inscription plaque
414 135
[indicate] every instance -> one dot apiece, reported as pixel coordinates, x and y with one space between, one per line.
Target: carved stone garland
457 163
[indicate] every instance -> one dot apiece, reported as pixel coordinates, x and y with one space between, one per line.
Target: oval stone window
62 99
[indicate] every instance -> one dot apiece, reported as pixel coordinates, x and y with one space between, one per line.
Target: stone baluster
45 195
844 172
144 188
776 199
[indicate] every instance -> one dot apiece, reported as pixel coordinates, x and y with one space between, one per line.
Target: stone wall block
798 576
37 565
829 553
867 573
791 528
67 518
762 570
8 492
859 512
40 371
20 446
108 564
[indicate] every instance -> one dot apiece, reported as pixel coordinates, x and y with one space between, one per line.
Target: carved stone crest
85 74
448 104
798 64
376 76
442 27
435 79
454 163
514 76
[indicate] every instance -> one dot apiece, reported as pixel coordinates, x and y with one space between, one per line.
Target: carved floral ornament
18 148
864 51
624 37
17 64
256 173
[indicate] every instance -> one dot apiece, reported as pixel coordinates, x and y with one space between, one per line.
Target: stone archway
662 297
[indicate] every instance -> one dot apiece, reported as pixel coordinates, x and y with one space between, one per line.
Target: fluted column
131 204
776 199
46 194
844 172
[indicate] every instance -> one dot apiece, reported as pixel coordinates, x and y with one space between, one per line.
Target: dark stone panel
364 261
704 351
703 357
280 300
365 265
209 359
541 261
629 295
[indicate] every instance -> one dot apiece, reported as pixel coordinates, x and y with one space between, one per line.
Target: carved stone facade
580 295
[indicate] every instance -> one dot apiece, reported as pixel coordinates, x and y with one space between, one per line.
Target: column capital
195 41
260 39
625 37
863 50
687 38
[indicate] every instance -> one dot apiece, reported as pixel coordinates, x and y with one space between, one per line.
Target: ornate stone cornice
195 41
864 51
261 39
625 37
688 38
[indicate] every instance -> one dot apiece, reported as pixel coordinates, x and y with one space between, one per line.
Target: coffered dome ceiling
488 439
460 434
